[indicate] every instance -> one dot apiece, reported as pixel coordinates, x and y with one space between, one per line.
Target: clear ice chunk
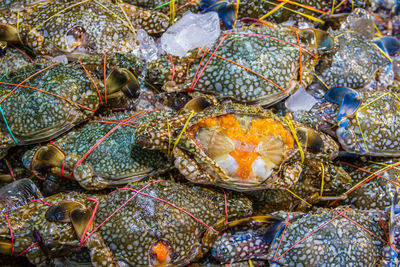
148 49
191 31
300 100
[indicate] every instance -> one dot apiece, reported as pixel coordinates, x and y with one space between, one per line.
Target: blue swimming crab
101 153
77 27
337 237
367 119
237 147
41 101
278 10
155 227
253 65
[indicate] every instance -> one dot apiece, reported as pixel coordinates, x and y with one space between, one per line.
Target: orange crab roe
161 252
260 128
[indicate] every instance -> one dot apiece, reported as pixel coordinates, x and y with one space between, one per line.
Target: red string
105 80
135 116
112 214
226 206
90 221
18 85
176 207
320 227
11 233
41 200
10 169
382 225
28 248
283 234
90 77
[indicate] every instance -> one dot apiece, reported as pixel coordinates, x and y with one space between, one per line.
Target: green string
160 6
4 117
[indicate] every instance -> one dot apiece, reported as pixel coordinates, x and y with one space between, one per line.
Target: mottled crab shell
31 116
136 232
356 62
11 59
378 192
237 147
338 243
78 27
375 127
116 160
267 69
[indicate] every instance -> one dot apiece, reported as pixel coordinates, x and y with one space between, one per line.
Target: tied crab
100 154
337 237
77 27
254 65
139 231
41 100
367 119
235 146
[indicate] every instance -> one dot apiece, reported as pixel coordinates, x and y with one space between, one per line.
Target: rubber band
28 248
292 129
8 127
90 77
18 85
283 234
297 12
382 225
298 42
11 233
322 179
277 7
105 77
90 221
287 189
304 6
183 130
10 169
237 13
172 12
173 67
169 138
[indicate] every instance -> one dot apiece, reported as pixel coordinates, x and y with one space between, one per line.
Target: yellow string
385 165
380 50
298 197
277 7
378 34
341 3
297 12
19 36
172 12
323 178
362 133
117 16
250 263
59 12
316 76
292 129
237 13
169 138
126 16
183 130
333 7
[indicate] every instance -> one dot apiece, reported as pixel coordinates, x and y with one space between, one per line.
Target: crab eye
76 36
311 140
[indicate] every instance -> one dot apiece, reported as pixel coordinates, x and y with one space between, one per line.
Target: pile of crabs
279 144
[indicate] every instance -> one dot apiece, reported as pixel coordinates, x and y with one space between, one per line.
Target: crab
42 100
253 65
334 182
117 160
75 27
277 10
356 62
155 226
11 59
378 191
367 119
235 146
338 237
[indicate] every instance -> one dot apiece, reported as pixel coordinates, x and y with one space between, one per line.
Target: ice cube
191 31
148 49
300 100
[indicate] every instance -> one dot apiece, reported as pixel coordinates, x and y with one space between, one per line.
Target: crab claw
225 9
70 211
122 80
348 99
8 33
45 158
388 44
347 139
350 104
